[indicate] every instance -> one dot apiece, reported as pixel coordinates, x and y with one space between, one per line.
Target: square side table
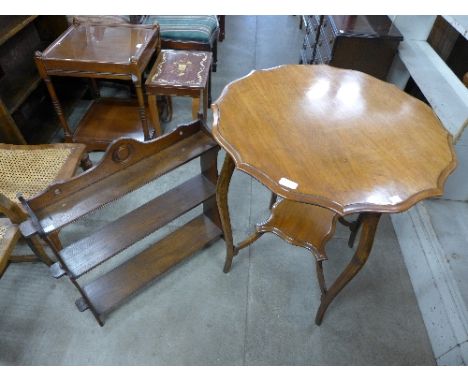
179 73
120 51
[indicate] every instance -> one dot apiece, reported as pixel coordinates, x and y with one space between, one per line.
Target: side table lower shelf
109 119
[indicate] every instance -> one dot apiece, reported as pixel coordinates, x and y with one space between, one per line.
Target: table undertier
304 225
107 120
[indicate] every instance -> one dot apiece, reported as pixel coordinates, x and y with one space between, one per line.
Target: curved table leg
245 243
273 199
369 223
320 276
222 188
353 227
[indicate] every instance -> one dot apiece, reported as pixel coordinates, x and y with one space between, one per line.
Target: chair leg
166 114
85 162
215 55
195 107
154 114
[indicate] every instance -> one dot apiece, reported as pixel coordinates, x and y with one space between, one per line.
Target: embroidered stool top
181 69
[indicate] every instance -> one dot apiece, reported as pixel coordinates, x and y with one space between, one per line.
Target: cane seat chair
28 170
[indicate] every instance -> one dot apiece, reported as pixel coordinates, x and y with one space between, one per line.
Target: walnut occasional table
331 142
121 52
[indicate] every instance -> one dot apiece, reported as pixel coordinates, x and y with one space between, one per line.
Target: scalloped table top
336 138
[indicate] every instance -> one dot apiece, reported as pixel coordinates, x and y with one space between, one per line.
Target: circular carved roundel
122 153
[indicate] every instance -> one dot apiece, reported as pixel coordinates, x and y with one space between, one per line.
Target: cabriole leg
369 223
222 188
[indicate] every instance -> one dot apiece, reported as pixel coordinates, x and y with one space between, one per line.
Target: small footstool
179 73
188 32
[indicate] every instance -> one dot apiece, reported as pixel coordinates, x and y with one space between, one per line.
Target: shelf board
120 183
107 120
87 253
14 24
113 288
21 92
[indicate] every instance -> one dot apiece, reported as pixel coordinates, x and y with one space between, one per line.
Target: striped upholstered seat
186 28
188 33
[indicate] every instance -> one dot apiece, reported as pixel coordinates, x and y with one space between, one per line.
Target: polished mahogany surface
301 224
100 43
336 138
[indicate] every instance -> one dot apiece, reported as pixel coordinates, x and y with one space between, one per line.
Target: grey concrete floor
261 313
449 220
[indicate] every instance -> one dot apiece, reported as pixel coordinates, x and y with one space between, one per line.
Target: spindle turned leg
369 223
141 107
68 136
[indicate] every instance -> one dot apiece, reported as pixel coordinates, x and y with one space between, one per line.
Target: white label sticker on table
288 183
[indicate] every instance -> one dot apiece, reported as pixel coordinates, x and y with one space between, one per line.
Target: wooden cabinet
20 37
364 43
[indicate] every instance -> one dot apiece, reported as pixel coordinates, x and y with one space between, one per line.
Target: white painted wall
444 91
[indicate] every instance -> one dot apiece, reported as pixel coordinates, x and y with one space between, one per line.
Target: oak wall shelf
127 165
